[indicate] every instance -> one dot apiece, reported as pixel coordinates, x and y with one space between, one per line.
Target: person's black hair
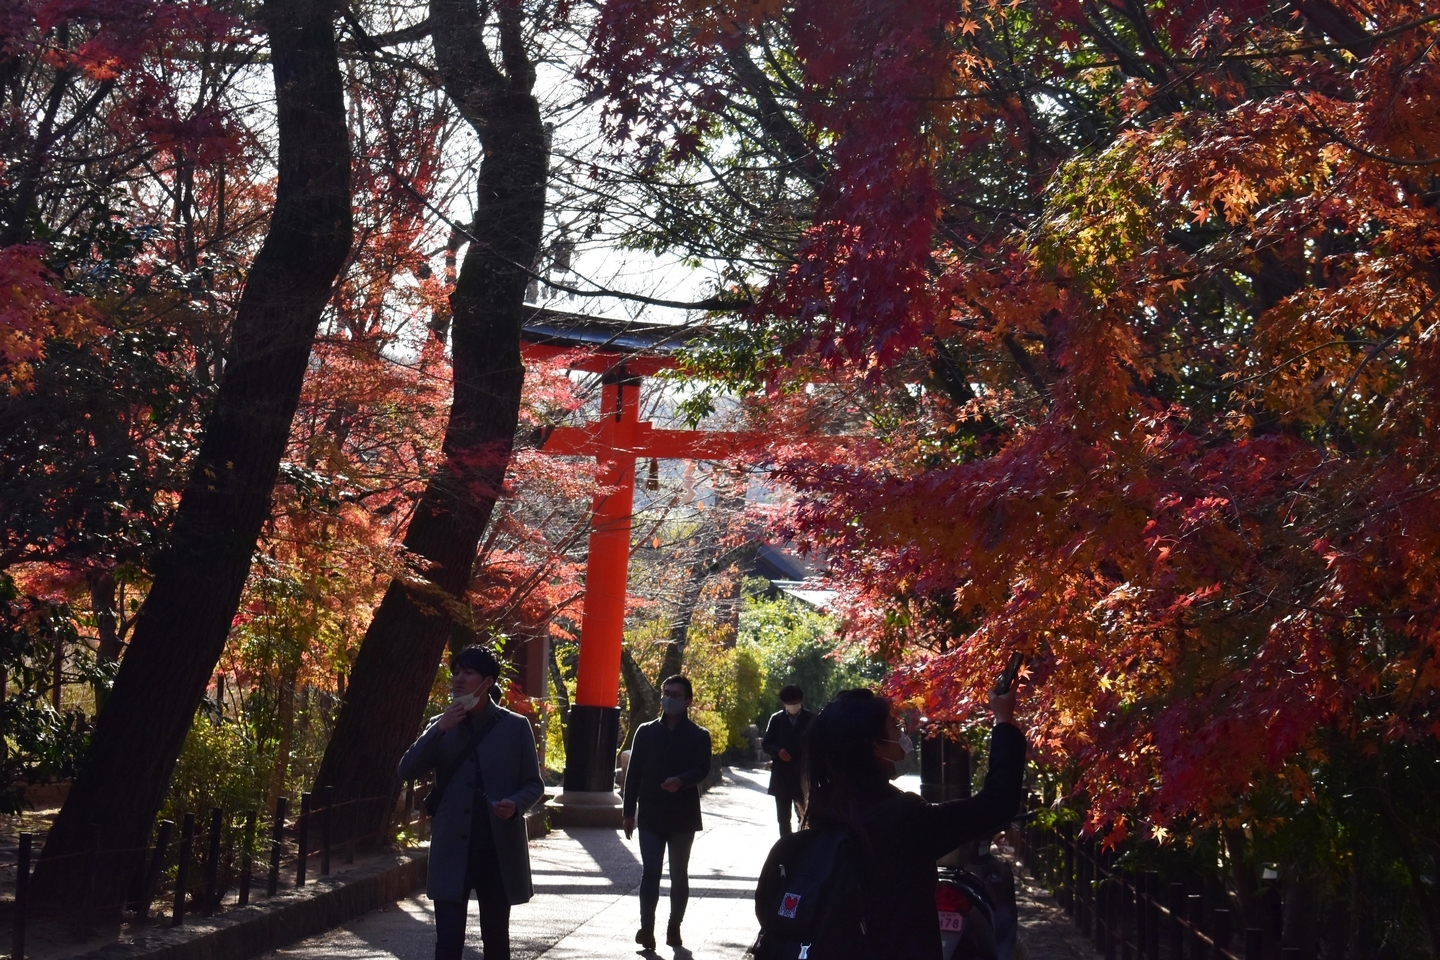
841 769
791 694
680 681
477 658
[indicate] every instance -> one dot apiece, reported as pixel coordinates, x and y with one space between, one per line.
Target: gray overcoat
510 770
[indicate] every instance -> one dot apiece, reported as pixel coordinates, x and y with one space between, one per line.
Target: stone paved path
586 906
1046 933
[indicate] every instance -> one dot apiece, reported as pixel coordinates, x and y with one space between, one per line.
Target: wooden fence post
303 835
1152 913
247 857
1177 914
353 820
1219 933
212 864
327 801
182 873
22 896
277 847
152 872
1112 913
92 864
1131 923
1197 925
1066 865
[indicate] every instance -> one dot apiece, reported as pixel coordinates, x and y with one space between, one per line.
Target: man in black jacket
784 742
669 758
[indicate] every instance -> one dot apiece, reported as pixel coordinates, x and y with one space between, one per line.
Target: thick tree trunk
181 629
398 659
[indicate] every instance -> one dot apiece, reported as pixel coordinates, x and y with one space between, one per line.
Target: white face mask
907 747
467 700
793 708
672 705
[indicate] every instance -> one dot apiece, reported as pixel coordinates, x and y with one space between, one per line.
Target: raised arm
941 827
424 754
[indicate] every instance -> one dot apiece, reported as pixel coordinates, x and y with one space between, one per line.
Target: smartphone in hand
1007 676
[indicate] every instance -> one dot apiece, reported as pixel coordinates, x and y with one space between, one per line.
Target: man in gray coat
486 768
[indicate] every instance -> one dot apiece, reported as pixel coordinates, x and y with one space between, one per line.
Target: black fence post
182 872
1197 924
1254 943
1073 857
327 800
1130 945
1152 914
277 847
1112 913
1177 917
212 864
247 857
303 835
22 896
152 871
92 866
352 821
1219 933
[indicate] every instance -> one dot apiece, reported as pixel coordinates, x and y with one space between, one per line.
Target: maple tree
395 667
181 628
143 229
1135 305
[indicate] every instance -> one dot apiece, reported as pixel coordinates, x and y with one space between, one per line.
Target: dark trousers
783 806
483 876
652 851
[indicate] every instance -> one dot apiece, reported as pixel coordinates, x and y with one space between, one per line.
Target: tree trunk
181 629
107 627
643 695
285 717
397 661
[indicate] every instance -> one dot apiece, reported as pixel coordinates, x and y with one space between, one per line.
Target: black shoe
646 938
672 936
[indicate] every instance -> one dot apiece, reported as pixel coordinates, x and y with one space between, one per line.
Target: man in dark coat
785 743
484 757
669 758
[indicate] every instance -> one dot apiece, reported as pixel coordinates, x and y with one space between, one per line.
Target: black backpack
810 901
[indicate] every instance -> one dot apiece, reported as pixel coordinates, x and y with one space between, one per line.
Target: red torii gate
623 354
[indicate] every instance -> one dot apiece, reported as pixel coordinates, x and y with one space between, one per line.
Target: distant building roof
556 328
780 565
806 591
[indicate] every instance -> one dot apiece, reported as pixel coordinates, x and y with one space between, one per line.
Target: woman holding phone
855 746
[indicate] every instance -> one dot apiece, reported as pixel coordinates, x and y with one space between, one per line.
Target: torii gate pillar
593 735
